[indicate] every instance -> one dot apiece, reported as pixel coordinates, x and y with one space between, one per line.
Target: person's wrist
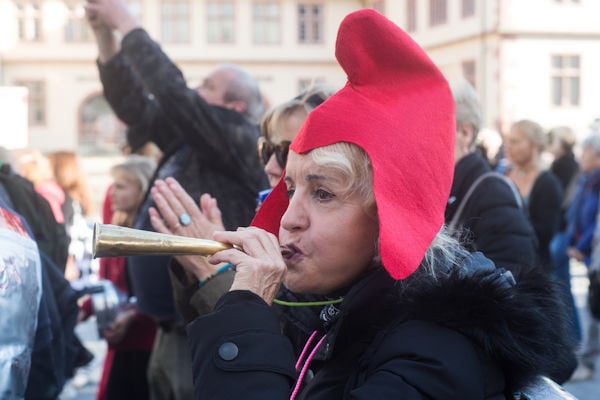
126 25
222 268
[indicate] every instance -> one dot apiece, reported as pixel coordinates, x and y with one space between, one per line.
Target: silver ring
185 219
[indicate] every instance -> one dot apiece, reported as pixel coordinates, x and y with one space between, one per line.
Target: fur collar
522 325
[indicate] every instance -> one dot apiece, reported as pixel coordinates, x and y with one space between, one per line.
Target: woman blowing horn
348 286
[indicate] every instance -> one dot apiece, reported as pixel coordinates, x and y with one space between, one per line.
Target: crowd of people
376 248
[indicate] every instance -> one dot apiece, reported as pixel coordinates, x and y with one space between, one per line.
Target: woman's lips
290 251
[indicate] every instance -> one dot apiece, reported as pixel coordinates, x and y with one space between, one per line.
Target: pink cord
304 350
305 367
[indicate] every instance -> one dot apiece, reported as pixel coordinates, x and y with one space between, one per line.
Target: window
220 21
565 80
100 132
76 28
36 100
29 14
310 23
468 8
266 22
411 15
438 12
175 21
469 72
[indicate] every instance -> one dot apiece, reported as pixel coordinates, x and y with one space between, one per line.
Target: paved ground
83 385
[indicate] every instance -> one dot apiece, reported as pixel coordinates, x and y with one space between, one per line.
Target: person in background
131 336
484 209
540 190
20 296
57 351
280 125
278 128
566 168
78 208
208 136
35 167
404 310
582 225
21 196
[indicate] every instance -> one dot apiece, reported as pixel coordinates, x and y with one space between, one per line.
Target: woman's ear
466 134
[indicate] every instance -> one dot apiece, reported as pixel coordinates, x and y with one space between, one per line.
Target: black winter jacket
492 221
469 334
544 208
208 149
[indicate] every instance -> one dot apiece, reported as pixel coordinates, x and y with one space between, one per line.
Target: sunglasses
266 149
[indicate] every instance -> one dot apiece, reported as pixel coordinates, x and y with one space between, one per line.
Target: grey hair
444 251
467 106
245 88
592 141
564 135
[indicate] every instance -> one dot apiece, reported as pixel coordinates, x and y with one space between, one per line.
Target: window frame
266 19
564 75
170 23
219 22
438 12
36 102
308 21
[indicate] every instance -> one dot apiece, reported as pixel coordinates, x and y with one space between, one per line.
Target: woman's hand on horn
260 267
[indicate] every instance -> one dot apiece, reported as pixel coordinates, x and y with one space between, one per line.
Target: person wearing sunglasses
280 125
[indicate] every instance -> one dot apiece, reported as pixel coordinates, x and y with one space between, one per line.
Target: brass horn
118 241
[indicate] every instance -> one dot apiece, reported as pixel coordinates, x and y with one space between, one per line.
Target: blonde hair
304 103
139 169
354 165
533 131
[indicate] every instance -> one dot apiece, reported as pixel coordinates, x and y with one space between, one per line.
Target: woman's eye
289 193
322 195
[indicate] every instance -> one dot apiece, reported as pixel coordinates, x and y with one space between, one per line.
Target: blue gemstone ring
185 219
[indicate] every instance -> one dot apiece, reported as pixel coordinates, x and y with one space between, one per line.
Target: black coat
544 207
208 149
566 170
469 334
492 221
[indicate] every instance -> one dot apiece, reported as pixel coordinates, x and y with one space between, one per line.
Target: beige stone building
536 59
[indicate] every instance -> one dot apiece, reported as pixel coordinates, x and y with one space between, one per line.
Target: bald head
231 87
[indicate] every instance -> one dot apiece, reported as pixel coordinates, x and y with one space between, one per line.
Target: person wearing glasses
279 126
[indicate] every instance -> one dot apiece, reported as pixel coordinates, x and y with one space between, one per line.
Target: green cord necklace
307 303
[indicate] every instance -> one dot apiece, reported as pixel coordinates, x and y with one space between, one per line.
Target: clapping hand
177 213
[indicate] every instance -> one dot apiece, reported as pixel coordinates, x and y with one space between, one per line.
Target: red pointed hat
397 106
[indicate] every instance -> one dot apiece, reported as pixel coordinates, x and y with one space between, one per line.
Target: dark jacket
50 236
582 213
470 334
566 169
544 208
208 149
492 221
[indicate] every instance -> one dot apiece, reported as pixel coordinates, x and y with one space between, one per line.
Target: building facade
535 59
